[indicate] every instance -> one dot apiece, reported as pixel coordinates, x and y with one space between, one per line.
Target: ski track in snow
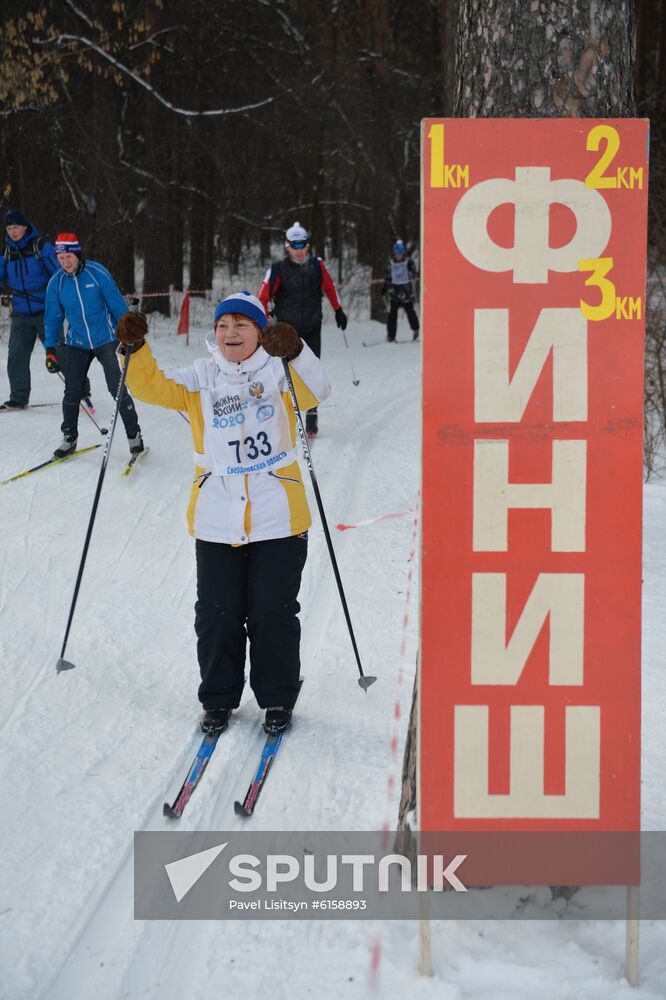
235 755
90 756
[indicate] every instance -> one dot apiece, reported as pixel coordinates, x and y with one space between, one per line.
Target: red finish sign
533 270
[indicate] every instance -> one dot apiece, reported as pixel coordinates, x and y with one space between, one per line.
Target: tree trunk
380 232
532 59
520 59
154 228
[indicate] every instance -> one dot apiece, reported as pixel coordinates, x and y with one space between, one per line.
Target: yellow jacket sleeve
148 383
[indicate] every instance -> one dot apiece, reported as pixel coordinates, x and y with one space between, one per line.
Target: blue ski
194 776
268 754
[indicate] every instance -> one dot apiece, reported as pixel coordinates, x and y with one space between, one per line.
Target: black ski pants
23 335
249 591
78 363
392 321
312 337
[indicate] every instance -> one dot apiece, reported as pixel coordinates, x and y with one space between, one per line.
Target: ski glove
52 360
341 319
282 341
131 330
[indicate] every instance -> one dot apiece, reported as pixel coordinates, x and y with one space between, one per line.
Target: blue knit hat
15 218
245 304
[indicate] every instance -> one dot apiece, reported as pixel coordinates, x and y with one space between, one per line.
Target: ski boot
65 448
215 721
277 720
11 405
135 444
311 425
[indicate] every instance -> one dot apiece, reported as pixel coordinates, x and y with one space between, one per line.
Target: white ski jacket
247 481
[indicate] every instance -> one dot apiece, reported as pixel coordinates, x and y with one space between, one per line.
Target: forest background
185 137
191 133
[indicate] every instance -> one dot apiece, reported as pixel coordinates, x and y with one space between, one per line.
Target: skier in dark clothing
296 285
399 288
26 266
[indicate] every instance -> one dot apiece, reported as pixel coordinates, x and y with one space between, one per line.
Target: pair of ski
28 406
200 763
66 458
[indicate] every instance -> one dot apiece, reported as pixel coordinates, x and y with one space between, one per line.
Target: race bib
399 272
246 428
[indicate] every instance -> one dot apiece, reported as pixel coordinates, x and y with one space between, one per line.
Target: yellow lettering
436 136
627 307
599 266
597 135
636 178
449 175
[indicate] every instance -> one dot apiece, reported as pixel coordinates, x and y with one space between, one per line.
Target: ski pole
63 664
355 381
364 680
84 409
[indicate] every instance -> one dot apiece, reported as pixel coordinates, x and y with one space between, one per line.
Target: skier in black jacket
296 285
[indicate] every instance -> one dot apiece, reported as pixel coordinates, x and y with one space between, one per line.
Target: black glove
340 319
52 360
131 330
282 341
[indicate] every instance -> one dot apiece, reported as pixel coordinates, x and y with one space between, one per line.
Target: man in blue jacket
27 263
84 293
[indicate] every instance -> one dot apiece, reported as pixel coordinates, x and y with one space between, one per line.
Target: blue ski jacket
26 266
91 303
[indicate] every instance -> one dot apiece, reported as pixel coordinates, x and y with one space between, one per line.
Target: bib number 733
252 449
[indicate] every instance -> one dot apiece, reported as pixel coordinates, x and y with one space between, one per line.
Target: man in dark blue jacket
84 293
26 265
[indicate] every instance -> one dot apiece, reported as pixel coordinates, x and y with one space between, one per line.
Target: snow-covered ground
88 757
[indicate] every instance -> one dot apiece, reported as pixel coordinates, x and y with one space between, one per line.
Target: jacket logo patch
265 412
256 389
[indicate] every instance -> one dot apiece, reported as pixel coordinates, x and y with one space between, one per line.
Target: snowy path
90 756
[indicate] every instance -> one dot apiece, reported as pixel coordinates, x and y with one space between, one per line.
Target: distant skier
295 284
26 266
398 287
248 509
84 293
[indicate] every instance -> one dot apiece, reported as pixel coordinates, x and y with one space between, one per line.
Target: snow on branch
217 112
80 13
151 39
